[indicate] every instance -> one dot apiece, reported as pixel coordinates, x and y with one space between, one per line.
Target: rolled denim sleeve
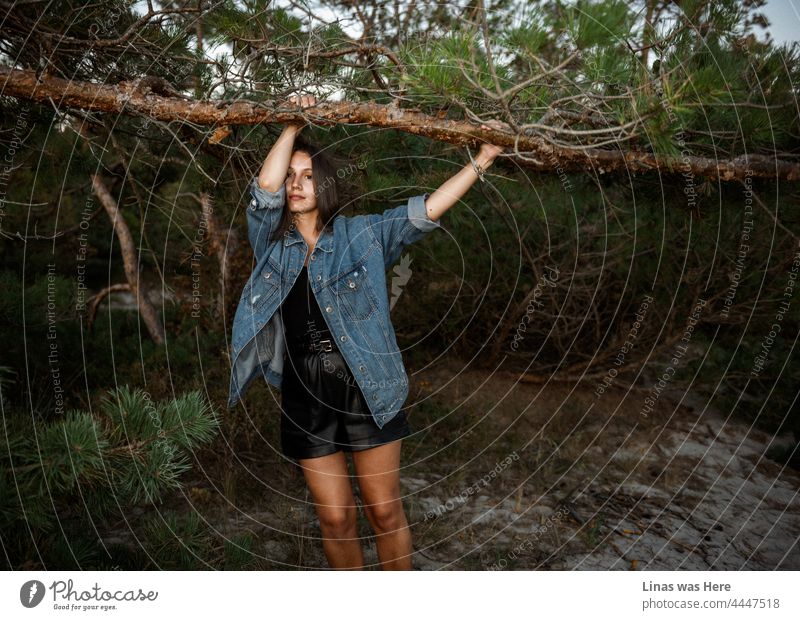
263 215
400 226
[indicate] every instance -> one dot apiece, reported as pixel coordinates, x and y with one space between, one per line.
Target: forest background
640 230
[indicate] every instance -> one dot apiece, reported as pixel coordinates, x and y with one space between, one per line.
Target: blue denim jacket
347 272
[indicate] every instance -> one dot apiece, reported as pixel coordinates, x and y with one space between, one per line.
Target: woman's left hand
488 152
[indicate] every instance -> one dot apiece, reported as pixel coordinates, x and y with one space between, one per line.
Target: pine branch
133 452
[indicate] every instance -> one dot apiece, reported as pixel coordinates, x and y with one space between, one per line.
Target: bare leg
378 473
329 483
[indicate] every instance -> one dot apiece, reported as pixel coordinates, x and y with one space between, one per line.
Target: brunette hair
323 175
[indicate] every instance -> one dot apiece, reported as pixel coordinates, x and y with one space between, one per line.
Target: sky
784 17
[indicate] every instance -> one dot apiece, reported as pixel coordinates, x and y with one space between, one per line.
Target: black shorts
324 410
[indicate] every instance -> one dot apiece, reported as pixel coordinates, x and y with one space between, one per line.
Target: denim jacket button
268 274
253 202
362 369
319 278
313 257
328 309
374 397
342 338
351 284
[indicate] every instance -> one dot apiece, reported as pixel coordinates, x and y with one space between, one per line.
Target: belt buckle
329 346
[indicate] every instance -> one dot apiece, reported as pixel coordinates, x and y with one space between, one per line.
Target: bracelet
479 170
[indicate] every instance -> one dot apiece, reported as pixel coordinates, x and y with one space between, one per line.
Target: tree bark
139 97
130 262
217 245
94 301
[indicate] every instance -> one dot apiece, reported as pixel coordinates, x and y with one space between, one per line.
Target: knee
386 517
338 522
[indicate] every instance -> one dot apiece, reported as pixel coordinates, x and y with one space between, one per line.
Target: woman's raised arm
273 171
456 186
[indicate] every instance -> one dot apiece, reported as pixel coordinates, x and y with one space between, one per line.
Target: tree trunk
130 261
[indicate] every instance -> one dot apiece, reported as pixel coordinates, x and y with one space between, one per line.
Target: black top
300 311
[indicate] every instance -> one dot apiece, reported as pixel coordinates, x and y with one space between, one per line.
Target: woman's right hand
303 101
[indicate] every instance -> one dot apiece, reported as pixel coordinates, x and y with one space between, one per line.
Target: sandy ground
693 491
686 488
727 508
501 475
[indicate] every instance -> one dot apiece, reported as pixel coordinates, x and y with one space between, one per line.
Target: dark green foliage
54 475
590 24
188 542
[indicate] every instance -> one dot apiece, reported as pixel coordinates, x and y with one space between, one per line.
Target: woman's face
300 195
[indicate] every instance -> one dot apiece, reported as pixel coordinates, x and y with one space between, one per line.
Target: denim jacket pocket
355 296
261 289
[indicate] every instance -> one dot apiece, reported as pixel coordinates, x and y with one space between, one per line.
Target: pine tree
55 475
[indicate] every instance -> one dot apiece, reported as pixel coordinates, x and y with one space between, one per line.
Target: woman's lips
296 197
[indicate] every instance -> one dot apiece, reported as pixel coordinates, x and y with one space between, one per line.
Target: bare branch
126 98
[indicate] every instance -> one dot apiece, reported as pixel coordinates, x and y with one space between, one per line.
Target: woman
313 320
